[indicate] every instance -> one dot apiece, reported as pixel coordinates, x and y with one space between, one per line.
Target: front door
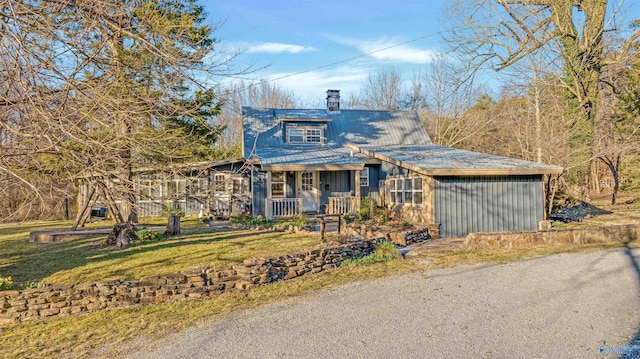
308 191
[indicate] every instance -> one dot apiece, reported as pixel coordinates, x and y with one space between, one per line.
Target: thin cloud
312 85
276 48
391 52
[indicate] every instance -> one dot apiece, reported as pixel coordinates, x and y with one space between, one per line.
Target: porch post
318 191
357 184
268 199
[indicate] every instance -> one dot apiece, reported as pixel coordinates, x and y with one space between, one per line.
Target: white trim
366 173
305 134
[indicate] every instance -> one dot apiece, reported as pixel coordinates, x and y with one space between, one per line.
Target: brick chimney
333 101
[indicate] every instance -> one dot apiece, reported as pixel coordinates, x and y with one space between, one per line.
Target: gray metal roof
441 161
309 156
263 131
393 136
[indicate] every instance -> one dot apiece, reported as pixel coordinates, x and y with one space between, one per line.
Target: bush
347 218
379 215
245 220
6 283
32 285
298 220
364 211
384 252
173 210
147 235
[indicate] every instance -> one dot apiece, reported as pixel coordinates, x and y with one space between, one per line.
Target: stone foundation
527 239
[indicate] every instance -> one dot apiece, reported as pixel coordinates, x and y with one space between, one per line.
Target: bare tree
501 33
449 97
382 90
259 94
91 89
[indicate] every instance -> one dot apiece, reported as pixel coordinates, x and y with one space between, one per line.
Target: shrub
6 283
364 211
298 220
173 210
347 218
384 252
243 219
147 235
31 285
378 215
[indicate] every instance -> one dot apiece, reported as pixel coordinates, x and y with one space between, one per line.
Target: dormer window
304 135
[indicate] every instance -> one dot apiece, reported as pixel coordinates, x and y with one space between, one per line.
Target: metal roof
310 155
434 160
262 130
392 136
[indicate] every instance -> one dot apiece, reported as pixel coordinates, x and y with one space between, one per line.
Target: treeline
94 89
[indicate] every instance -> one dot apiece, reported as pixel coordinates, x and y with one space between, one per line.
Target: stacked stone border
70 300
528 239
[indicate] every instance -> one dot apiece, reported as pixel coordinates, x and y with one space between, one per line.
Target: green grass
88 260
109 334
384 252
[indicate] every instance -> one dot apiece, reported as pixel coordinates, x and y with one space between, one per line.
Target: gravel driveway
558 306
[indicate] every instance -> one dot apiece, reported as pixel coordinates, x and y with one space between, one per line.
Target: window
364 177
313 136
277 184
240 185
219 183
176 188
296 135
198 186
304 135
307 181
406 190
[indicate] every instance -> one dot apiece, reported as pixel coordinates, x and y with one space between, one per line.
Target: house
327 160
215 188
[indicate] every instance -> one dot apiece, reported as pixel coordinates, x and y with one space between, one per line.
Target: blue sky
287 37
293 36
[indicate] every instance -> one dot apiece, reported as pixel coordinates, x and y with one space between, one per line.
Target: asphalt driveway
558 306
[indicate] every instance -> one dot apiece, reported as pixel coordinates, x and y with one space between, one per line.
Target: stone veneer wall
526 239
69 300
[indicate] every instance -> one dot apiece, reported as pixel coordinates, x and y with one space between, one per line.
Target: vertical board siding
259 192
487 204
339 186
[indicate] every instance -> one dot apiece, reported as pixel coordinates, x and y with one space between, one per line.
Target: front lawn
88 260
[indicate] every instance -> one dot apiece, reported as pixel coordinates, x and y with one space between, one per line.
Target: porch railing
285 207
341 205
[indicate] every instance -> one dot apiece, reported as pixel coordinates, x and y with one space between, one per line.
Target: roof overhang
291 119
315 167
461 171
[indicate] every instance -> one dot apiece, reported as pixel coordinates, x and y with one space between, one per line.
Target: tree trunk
122 235
173 227
614 167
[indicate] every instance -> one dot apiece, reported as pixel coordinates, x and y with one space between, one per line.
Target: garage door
487 204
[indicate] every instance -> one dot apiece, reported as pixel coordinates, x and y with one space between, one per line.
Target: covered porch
292 190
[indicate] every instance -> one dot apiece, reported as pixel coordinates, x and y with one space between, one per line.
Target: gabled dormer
304 130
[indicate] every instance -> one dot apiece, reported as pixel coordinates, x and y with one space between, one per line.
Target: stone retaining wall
68 300
527 239
408 238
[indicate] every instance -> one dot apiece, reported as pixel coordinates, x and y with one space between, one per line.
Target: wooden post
339 223
173 227
81 213
322 228
357 189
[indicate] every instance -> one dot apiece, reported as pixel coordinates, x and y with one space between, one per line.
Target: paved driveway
559 306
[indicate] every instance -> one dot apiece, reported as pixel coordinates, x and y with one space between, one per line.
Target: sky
281 38
308 46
